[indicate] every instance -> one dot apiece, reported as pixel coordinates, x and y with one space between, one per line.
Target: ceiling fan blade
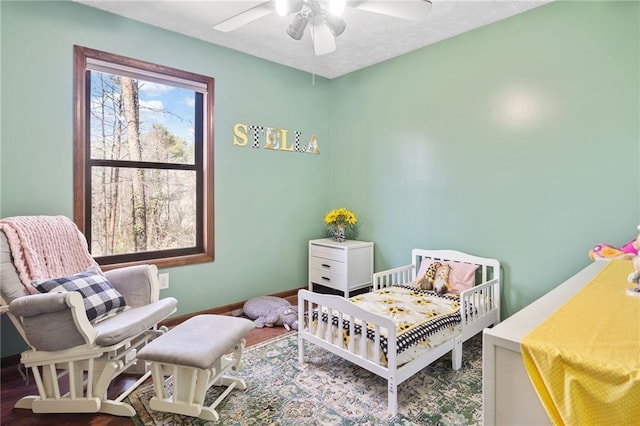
323 41
413 10
245 17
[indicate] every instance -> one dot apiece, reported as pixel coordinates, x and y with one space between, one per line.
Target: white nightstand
344 266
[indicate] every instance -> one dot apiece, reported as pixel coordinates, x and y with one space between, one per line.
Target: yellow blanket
584 360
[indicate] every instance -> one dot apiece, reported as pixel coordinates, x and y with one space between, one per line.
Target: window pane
143 160
162 216
137 120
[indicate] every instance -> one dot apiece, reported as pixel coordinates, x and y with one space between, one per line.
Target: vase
339 234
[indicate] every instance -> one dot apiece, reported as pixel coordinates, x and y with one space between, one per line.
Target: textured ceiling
369 38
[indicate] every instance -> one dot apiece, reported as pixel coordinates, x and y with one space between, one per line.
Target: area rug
328 390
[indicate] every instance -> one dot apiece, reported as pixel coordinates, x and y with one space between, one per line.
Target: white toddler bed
384 352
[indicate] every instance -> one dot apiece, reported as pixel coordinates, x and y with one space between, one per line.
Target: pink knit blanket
46 247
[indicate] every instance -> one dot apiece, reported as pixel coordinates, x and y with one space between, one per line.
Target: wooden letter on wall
274 139
240 134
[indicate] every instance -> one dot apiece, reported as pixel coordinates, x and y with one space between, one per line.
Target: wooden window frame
204 250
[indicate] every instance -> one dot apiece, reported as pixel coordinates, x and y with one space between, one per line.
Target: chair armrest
53 321
36 304
138 284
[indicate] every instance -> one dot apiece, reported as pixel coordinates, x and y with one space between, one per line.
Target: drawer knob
326 279
324 265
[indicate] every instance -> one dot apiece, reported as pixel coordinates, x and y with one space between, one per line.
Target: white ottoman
194 354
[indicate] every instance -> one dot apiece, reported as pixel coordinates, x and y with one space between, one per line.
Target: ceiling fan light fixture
336 7
296 29
336 25
287 7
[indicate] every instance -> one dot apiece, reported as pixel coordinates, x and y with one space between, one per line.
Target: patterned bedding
423 319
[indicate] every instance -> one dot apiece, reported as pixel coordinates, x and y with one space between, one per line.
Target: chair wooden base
79 405
88 376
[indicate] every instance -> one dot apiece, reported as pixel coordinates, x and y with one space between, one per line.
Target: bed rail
396 276
324 333
481 301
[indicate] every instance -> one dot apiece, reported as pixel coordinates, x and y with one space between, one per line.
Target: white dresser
343 266
507 393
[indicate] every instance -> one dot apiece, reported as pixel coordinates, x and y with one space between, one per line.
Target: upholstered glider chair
74 354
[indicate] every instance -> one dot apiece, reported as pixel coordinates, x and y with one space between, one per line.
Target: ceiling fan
323 16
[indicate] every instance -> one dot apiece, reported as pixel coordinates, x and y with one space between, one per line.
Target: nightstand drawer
328 279
327 252
327 265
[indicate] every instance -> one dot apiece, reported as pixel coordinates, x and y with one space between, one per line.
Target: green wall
519 141
268 204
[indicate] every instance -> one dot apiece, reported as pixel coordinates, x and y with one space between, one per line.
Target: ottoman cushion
197 342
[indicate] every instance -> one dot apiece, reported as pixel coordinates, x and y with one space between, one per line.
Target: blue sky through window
169 106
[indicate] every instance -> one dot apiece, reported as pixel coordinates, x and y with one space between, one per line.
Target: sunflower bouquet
342 225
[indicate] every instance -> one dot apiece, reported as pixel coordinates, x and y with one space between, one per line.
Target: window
143 160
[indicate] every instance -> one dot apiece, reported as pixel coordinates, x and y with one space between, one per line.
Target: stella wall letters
275 139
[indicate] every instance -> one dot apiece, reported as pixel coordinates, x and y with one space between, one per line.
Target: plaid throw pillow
100 298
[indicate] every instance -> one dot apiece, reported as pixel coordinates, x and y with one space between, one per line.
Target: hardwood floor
13 388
